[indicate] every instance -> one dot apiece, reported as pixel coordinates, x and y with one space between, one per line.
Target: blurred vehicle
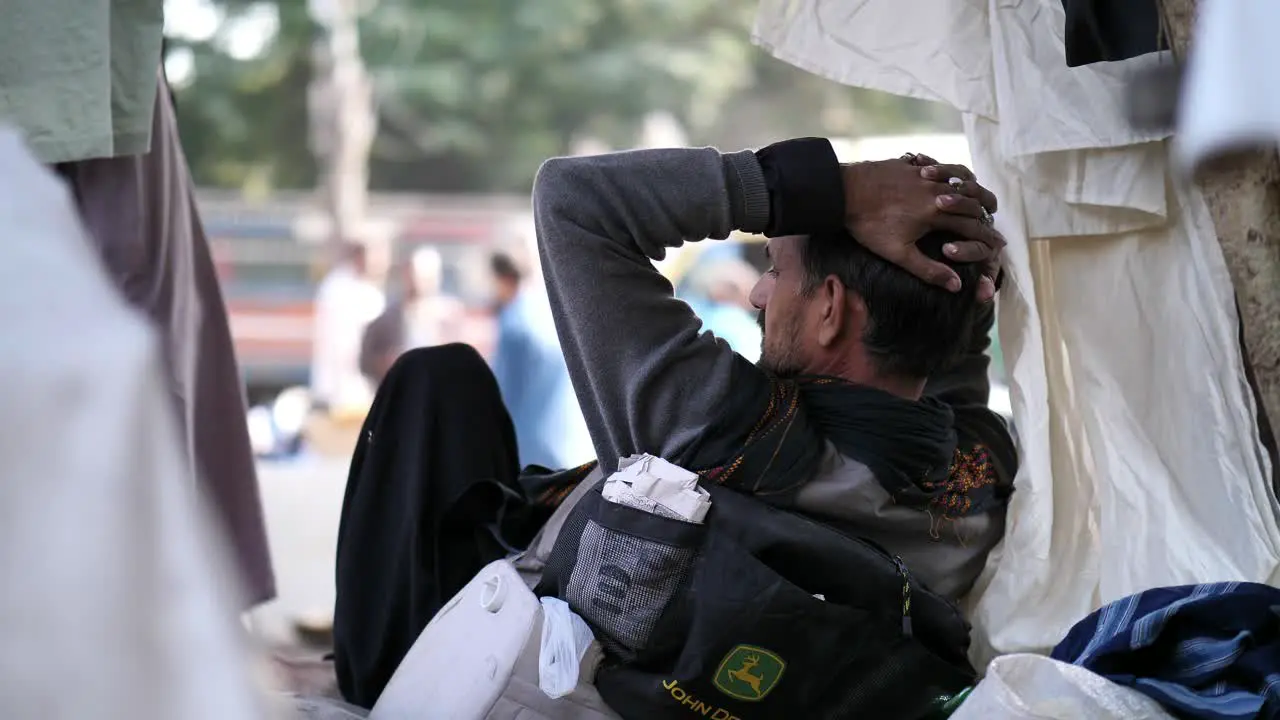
269 272
268 282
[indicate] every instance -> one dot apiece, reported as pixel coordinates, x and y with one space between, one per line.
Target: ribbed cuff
748 193
806 187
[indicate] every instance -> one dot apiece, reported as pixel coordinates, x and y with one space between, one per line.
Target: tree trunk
343 135
1243 194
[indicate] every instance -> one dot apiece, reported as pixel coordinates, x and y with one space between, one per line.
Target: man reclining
855 347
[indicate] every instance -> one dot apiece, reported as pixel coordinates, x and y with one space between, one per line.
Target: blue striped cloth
1202 651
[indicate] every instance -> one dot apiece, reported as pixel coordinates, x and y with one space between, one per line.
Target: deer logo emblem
744 673
749 673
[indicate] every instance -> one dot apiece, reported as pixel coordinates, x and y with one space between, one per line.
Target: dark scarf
908 445
912 447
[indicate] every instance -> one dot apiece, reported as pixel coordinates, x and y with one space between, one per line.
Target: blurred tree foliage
244 123
474 94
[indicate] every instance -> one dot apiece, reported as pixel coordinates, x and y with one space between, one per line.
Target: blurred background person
346 302
422 315
719 293
530 369
431 317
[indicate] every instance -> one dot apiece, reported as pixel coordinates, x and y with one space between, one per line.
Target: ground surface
302 499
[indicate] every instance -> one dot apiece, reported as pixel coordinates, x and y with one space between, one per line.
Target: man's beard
779 359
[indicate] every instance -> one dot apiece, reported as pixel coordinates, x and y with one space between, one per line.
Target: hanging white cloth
1140 462
116 603
1231 96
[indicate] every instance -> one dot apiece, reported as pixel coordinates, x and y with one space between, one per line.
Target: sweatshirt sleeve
648 379
646 376
966 387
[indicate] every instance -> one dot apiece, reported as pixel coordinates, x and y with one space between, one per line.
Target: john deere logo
749 673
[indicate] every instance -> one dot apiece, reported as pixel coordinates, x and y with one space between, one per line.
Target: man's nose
759 294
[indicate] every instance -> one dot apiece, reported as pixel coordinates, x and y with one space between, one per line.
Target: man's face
505 290
778 298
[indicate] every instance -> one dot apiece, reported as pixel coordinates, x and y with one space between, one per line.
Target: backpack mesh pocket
620 569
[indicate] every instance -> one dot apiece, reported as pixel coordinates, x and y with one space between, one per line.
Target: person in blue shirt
718 295
530 368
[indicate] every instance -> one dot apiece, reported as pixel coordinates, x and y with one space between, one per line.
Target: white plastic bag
1033 687
565 638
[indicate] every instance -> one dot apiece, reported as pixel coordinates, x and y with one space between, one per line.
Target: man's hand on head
891 204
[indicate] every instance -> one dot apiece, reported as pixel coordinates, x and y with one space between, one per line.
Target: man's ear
832 307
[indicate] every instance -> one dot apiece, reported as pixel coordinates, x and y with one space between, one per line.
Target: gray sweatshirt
650 381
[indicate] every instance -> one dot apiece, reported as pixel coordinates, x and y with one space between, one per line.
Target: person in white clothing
423 316
346 302
430 316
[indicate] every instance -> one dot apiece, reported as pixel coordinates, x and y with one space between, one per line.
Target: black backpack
758 613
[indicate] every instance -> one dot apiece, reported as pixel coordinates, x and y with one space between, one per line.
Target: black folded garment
1111 30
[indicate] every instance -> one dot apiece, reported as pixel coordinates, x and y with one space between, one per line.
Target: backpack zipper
906 595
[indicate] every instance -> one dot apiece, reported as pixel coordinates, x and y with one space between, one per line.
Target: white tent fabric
1231 98
116 603
1141 465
